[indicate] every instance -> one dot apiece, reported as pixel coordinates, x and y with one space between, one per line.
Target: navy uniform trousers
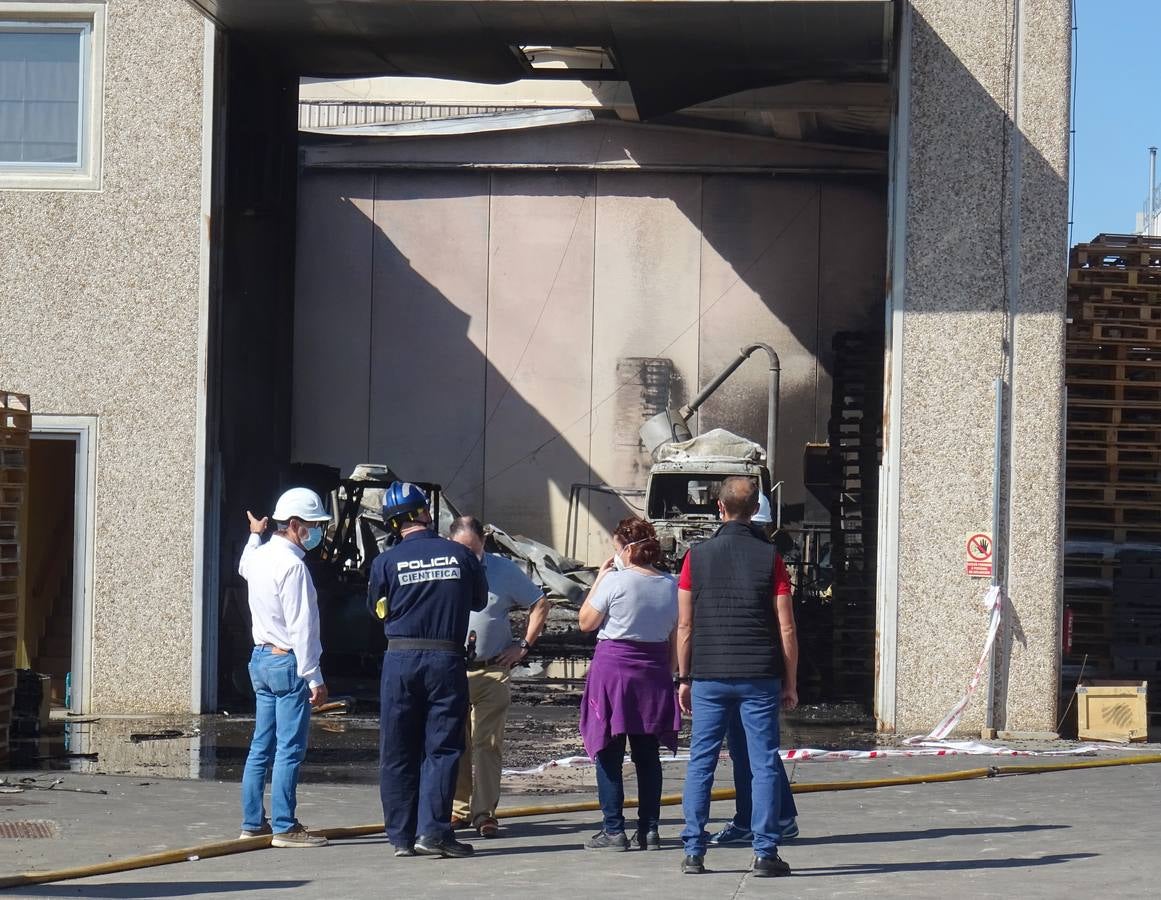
423 699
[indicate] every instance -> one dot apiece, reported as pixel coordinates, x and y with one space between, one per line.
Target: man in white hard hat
284 667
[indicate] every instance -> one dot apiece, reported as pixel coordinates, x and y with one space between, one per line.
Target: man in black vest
736 651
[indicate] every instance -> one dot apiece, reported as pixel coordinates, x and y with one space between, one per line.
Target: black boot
770 866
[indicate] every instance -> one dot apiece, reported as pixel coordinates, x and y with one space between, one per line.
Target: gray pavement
1084 832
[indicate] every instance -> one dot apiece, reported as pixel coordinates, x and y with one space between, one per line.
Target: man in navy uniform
424 588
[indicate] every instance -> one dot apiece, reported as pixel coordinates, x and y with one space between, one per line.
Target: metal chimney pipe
1150 203
771 397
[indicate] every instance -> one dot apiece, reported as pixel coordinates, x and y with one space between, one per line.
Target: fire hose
245 845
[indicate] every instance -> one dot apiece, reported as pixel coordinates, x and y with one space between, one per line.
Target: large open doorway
554 312
646 201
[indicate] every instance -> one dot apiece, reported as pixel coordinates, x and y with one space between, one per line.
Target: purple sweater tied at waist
629 690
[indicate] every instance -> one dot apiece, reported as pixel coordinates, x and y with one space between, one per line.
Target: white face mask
618 563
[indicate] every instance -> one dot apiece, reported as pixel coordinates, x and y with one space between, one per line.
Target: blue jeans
281 725
744 803
755 701
646 754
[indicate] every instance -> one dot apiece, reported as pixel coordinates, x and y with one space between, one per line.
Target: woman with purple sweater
629 692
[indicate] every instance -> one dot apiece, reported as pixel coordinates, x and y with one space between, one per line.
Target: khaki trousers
478 791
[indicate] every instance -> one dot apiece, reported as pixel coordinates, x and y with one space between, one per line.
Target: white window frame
89 19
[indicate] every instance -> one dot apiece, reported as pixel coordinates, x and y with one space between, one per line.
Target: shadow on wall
416 324
499 341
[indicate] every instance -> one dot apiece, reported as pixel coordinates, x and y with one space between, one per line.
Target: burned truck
687 472
340 566
682 492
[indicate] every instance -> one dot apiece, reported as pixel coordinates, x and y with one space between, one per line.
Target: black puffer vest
735 628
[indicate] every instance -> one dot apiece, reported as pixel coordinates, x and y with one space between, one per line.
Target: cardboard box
1112 711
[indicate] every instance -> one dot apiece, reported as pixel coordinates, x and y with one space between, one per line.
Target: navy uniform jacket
431 586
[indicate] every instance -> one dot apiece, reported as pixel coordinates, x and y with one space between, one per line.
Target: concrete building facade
182 330
102 298
977 284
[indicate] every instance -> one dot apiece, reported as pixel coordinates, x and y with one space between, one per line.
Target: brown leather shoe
488 828
457 823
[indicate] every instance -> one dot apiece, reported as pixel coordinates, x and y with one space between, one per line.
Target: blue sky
1118 112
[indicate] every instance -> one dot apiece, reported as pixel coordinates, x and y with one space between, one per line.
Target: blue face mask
314 536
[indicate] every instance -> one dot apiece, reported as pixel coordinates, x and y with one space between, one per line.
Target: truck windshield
676 494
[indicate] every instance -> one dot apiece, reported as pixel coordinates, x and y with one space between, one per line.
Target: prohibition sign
979 547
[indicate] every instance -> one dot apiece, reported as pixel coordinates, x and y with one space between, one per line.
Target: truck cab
681 500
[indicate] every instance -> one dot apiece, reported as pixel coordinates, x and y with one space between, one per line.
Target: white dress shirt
283 602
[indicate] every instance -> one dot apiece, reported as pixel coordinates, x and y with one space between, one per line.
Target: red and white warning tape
933 743
994 604
807 754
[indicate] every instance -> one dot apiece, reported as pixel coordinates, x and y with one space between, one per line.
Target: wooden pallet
1143 515
1129 435
1137 295
1104 245
1115 310
1122 414
10 401
13 438
1127 366
1117 494
1079 530
1137 463
15 426
1111 368
1115 332
1121 275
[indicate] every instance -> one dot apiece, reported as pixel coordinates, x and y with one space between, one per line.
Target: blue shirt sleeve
479 583
529 591
513 583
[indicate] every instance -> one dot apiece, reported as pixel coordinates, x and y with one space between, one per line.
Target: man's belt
477 664
422 644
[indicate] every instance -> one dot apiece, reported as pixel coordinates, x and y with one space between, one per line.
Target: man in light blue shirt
490 637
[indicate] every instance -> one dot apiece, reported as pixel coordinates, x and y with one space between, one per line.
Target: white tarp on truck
715 444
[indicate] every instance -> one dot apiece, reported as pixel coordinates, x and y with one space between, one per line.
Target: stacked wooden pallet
855 451
1113 485
15 424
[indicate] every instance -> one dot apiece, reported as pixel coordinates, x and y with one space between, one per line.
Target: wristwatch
524 645
682 679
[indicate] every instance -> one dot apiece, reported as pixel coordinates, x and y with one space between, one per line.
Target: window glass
40 97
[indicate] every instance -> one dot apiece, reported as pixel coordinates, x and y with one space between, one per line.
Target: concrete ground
1046 835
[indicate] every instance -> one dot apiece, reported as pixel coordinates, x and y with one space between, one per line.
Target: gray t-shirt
508 588
637 607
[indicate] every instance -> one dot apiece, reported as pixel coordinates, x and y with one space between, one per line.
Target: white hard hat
762 516
301 503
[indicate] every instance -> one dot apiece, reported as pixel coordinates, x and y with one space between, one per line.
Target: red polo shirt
781 576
